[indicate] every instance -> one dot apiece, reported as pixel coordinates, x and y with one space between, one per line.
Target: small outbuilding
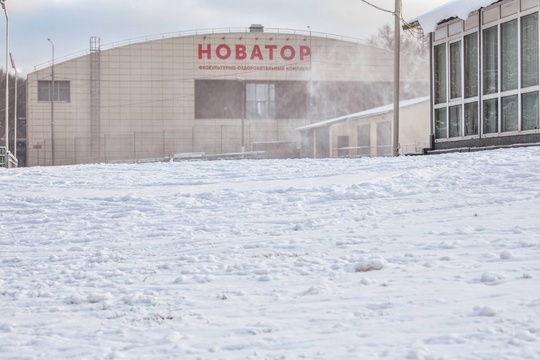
368 133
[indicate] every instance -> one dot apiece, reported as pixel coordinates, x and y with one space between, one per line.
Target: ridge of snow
454 8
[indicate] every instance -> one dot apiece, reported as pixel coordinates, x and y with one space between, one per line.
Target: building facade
215 92
485 73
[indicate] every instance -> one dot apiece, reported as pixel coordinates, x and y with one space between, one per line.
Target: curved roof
203 32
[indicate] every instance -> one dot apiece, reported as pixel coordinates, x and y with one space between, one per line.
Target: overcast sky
71 23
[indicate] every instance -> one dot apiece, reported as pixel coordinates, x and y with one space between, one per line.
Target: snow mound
371 264
491 277
506 255
488 311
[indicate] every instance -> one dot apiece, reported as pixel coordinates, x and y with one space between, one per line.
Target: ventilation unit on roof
256 28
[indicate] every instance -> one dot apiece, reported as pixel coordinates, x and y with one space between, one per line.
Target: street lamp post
15 110
52 102
3 3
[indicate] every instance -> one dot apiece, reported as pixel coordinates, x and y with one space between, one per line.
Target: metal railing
384 150
7 160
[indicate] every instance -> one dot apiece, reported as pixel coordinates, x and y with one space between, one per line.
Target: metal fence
384 150
7 160
139 146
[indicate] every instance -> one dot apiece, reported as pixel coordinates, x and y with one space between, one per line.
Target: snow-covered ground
433 257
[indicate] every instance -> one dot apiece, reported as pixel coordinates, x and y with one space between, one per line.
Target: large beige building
214 92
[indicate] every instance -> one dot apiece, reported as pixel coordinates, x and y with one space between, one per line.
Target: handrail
169 35
7 160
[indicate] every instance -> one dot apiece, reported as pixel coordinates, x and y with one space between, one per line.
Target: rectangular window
490 60
440 73
471 119
509 112
509 55
529 50
491 114
454 125
455 70
529 110
62 92
441 124
470 44
260 101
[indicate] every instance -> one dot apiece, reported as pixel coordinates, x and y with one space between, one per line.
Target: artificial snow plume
367 258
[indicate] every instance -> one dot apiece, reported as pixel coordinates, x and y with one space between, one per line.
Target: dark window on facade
440 73
233 99
491 58
509 108
218 99
455 121
455 70
509 55
260 101
470 43
441 124
529 50
471 119
62 91
529 109
491 116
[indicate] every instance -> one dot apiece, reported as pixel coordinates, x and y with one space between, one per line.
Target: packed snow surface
430 257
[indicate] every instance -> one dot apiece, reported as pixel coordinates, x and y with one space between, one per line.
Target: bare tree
414 50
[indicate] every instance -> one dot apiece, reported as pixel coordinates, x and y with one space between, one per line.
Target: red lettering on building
256 53
220 54
208 51
270 49
241 53
290 56
305 51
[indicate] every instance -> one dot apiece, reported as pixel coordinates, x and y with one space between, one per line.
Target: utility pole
397 41
15 110
3 2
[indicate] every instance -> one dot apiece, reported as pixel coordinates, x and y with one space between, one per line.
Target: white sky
71 23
